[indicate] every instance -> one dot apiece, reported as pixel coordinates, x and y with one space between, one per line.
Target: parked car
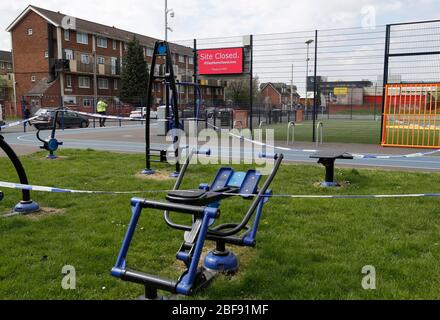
66 119
140 113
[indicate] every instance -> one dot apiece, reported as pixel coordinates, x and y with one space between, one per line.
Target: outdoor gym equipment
26 206
203 205
162 50
51 144
328 159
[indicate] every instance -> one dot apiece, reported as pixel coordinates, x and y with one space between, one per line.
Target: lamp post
308 43
171 13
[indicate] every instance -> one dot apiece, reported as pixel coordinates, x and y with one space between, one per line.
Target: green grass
307 249
341 131
360 112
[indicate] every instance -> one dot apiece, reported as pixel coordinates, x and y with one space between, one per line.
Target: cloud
213 18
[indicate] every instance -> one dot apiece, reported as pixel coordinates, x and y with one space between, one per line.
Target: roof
56 18
39 88
6 56
278 86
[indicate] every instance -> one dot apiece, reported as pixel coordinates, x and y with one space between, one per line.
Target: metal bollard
291 128
320 132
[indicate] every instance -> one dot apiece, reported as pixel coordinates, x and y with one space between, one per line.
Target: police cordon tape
17 123
18 186
100 116
355 156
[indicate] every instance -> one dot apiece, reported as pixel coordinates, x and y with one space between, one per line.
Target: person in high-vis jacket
101 108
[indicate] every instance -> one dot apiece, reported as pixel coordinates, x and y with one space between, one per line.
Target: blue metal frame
186 283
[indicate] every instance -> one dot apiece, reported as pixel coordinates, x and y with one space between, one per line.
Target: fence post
385 75
315 91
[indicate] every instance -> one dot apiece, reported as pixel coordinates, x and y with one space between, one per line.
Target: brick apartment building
95 54
6 81
278 95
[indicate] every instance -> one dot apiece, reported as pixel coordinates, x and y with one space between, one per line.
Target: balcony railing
101 69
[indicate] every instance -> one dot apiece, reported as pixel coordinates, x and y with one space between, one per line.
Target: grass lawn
307 249
343 131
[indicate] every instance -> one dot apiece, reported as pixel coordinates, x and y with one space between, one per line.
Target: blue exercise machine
26 205
203 205
51 144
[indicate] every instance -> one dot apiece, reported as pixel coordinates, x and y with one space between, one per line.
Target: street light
308 43
171 13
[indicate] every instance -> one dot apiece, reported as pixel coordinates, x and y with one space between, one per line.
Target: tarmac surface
130 138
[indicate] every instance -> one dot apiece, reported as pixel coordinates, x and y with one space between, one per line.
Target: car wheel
83 124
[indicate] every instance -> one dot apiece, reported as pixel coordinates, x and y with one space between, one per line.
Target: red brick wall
274 96
28 53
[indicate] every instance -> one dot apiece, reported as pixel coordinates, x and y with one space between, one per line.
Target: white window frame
83 60
101 60
149 52
71 54
46 54
68 81
82 38
82 85
115 45
100 83
190 60
33 78
67 35
89 104
113 65
115 84
181 59
9 65
101 42
30 31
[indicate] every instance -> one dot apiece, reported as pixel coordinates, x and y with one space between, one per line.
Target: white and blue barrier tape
17 123
18 186
355 156
100 116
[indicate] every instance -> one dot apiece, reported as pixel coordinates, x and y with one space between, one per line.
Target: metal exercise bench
203 205
328 159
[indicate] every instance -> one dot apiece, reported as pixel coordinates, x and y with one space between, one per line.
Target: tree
134 75
237 91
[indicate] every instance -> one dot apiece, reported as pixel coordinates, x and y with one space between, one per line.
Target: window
103 83
101 60
149 52
113 64
84 82
102 42
9 66
67 35
87 102
33 78
125 46
30 32
68 54
181 59
46 54
2 65
82 38
68 81
85 59
190 60
115 45
115 84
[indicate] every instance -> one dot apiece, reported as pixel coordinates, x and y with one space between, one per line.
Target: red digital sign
220 61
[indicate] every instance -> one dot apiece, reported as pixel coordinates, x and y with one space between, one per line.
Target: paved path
131 139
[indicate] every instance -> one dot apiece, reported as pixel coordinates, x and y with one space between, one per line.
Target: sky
209 18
